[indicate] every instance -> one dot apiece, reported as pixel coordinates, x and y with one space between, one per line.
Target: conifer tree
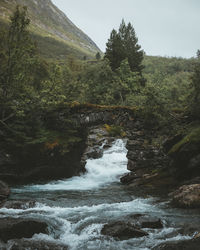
98 56
124 44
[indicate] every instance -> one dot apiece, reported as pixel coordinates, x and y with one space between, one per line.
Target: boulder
154 224
19 204
122 230
4 191
187 196
11 228
131 165
93 152
36 245
193 244
128 178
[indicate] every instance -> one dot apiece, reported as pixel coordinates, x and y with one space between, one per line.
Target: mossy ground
193 136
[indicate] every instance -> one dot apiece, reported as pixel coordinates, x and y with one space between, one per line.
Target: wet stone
122 230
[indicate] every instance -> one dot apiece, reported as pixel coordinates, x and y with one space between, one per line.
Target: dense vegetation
32 88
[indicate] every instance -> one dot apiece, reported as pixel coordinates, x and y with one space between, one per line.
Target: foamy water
99 172
76 209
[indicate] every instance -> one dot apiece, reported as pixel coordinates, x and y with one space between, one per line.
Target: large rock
122 230
4 191
187 196
154 224
93 152
146 221
193 244
36 245
11 228
19 204
128 178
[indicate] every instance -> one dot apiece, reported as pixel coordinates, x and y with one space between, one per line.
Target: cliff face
48 21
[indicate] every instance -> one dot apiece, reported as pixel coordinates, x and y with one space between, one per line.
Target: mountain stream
77 208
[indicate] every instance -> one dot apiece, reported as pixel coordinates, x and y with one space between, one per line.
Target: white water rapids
76 209
99 172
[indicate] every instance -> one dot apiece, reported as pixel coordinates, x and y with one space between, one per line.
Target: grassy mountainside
56 35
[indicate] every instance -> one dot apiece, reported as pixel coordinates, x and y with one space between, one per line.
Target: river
76 209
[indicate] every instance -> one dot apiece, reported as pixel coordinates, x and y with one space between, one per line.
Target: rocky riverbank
156 168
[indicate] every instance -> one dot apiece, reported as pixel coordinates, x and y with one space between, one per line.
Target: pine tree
98 56
124 44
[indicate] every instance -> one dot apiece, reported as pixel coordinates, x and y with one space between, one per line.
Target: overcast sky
163 27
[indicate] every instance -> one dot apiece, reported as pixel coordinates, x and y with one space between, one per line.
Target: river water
76 209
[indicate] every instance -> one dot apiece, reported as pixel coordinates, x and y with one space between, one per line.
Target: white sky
163 27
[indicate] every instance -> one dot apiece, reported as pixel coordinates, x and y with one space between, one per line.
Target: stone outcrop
154 224
187 196
25 244
122 230
145 221
180 245
184 165
19 204
11 228
147 163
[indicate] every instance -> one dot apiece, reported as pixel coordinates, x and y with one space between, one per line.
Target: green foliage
30 91
17 64
195 95
98 56
192 137
98 83
154 107
114 130
124 44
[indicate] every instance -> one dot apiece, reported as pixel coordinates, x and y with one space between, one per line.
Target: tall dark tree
114 50
98 56
124 44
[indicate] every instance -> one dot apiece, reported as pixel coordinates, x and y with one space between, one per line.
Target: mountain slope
48 22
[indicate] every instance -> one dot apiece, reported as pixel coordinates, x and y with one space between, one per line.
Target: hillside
56 35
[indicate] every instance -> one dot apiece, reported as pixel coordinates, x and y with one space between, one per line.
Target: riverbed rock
122 230
154 224
193 244
146 221
19 204
93 152
11 228
36 245
4 191
128 178
187 196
